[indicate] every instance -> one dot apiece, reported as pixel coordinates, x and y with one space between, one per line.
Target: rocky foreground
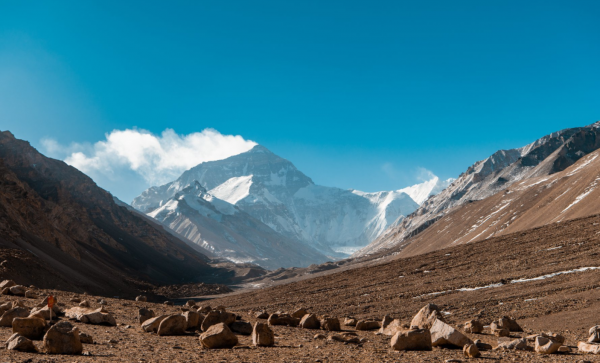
100 329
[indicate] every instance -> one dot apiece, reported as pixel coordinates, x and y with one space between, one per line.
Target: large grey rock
262 335
31 328
426 317
330 324
11 314
172 325
444 334
215 317
415 339
218 336
62 338
310 321
193 319
20 343
152 324
545 345
589 348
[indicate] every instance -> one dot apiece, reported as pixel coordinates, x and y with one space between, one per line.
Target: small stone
471 351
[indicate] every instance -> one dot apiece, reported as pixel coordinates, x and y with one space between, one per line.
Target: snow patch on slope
234 189
420 192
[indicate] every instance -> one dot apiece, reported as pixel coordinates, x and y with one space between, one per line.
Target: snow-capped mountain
547 155
420 192
226 231
271 189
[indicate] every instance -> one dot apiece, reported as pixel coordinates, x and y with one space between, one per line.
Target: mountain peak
259 149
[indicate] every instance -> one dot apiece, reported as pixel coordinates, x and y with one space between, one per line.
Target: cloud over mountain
150 159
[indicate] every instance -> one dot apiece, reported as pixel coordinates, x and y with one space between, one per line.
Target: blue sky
357 94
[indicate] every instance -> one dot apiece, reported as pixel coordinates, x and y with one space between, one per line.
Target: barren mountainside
542 158
58 219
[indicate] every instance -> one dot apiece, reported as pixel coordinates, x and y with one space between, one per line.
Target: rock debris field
527 297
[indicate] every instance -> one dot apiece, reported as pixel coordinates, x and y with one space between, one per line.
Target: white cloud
155 159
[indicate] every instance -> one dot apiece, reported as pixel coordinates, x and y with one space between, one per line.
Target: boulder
141 298
594 334
261 315
414 339
283 319
205 309
319 337
87 316
391 328
218 336
84 304
299 314
564 349
367 325
350 321
517 344
145 314
310 321
471 351
102 302
590 348
499 330
330 324
509 323
193 319
337 338
43 312
30 294
31 327
554 336
152 324
168 303
18 290
241 327
20 343
215 317
11 314
262 335
172 325
473 327
191 304
545 345
7 284
62 338
426 317
444 334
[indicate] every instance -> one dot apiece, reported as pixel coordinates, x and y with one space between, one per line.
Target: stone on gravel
87 316
391 328
310 321
517 344
545 345
414 339
499 330
30 328
20 343
29 294
145 314
283 319
594 334
330 324
141 298
11 314
241 327
7 284
471 351
564 349
215 317
172 325
509 323
444 334
84 304
350 321
473 326
367 325
193 319
591 348
319 336
299 313
152 324
18 290
63 338
426 317
218 336
262 335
